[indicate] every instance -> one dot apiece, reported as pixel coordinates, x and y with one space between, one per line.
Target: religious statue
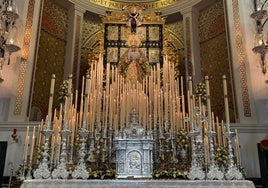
134 17
133 64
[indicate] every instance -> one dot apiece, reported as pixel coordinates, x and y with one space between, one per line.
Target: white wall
14 150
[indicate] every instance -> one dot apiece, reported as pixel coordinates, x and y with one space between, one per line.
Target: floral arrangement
172 173
101 174
221 156
183 140
40 151
63 91
200 91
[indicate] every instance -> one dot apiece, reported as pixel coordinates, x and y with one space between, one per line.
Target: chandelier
8 32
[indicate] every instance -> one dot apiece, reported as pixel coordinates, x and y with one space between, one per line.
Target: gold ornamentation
125 32
173 45
154 55
112 32
241 58
92 43
154 33
122 18
147 5
25 52
112 54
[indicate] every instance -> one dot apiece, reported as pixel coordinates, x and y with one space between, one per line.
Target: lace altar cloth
58 183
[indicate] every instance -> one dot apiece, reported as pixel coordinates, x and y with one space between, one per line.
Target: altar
136 183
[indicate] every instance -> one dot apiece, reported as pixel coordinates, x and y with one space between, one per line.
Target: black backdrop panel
3 151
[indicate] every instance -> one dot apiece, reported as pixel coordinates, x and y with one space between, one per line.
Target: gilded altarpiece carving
214 56
93 39
116 35
51 53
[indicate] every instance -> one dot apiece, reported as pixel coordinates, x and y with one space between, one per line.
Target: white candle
190 85
33 142
67 101
238 157
86 100
218 131
39 134
51 97
208 102
26 149
225 94
26 144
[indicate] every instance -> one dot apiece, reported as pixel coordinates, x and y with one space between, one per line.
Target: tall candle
208 101
238 157
81 104
33 143
39 133
218 131
223 134
26 148
86 100
67 102
225 94
26 144
51 97
190 86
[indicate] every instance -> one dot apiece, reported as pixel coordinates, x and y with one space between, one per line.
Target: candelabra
80 170
213 170
195 172
24 163
43 172
61 170
232 170
91 155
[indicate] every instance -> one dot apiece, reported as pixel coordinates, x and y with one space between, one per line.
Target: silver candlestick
195 172
110 134
232 171
24 163
29 174
214 172
80 170
91 155
61 170
43 172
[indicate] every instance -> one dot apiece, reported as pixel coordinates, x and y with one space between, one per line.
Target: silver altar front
134 150
58 183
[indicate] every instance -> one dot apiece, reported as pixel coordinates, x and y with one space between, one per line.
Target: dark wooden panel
3 151
263 160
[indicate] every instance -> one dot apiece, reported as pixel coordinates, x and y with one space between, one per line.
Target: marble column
74 38
191 43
